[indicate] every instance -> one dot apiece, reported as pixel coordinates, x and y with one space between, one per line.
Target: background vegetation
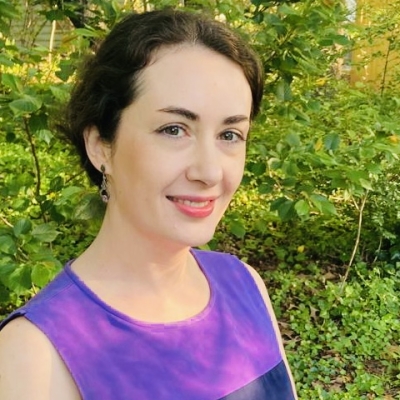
318 211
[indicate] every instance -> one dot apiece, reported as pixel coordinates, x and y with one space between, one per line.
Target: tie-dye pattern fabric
229 351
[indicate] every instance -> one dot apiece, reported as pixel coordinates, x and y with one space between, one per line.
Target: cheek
234 175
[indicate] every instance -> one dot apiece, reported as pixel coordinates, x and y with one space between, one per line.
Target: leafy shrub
320 195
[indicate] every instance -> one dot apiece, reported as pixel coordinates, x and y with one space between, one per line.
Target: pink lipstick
195 207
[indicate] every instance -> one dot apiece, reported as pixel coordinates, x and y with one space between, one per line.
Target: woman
160 118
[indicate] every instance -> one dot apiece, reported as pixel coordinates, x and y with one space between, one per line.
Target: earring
104 194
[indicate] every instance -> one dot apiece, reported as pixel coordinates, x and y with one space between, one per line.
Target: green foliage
340 345
320 192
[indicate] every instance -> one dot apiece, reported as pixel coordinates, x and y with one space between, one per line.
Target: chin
198 239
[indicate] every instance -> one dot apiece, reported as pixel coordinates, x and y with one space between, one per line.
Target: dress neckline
89 293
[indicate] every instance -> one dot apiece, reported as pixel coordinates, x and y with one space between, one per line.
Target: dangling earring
104 194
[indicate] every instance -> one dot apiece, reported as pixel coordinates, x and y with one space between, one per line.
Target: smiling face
180 147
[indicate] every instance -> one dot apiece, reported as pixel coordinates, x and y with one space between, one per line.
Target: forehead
194 73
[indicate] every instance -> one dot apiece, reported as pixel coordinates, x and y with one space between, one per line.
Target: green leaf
302 208
366 184
7 245
89 33
13 82
7 10
266 186
293 139
287 10
284 207
332 141
41 275
356 176
257 168
322 204
90 207
56 184
328 208
7 61
26 105
45 233
22 227
66 69
20 279
237 228
59 93
341 39
4 294
45 135
54 15
7 267
283 90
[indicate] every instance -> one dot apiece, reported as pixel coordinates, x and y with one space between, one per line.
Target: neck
119 253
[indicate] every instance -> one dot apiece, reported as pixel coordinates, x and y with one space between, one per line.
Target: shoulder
30 367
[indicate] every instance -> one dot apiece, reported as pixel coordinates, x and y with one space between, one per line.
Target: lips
196 207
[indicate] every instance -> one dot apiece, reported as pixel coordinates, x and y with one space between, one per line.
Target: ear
98 151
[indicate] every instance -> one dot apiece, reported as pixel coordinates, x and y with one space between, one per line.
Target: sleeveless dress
229 351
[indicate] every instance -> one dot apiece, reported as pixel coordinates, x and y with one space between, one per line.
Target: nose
205 163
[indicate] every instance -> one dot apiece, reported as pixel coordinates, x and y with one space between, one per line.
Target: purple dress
228 351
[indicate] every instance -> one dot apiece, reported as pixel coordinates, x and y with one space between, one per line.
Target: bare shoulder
30 367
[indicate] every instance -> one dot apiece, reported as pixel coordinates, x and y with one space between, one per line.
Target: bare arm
263 290
30 367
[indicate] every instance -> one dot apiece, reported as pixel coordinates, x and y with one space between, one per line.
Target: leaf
20 279
343 40
45 135
283 90
46 257
7 61
13 82
284 207
314 105
332 141
328 208
22 227
7 245
41 275
293 139
59 93
90 207
288 10
45 233
322 204
366 184
54 15
26 105
66 69
56 184
237 228
89 33
7 10
302 208
267 186
257 168
356 176
4 294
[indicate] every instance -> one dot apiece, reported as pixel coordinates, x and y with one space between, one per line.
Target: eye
231 136
172 130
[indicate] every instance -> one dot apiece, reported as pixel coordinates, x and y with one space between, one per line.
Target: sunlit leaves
25 105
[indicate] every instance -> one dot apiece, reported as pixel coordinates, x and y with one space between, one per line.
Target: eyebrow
190 115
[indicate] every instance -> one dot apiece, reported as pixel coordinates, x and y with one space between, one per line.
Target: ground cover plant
318 211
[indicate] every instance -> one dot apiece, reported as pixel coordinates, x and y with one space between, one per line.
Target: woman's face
180 147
